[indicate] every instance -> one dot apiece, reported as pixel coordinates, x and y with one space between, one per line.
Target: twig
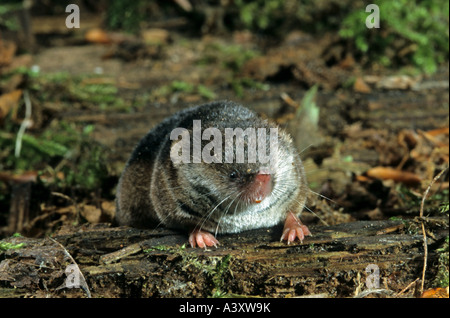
288 100
124 252
425 245
374 291
62 195
406 288
25 124
184 4
83 283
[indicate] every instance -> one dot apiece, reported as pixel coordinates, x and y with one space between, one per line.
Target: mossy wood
125 262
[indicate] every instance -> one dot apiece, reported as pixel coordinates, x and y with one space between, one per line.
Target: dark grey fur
153 190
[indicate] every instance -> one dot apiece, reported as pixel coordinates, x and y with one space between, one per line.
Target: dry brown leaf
360 86
108 209
97 36
398 82
28 176
362 178
438 131
7 52
155 36
386 173
91 213
433 136
435 293
9 101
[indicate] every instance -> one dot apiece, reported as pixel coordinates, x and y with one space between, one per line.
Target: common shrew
214 168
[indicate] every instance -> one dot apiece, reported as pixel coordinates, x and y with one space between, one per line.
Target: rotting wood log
126 262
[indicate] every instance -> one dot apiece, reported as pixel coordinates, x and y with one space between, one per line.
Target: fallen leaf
9 101
97 36
438 131
108 210
362 178
23 61
386 173
435 293
155 36
398 82
360 86
28 176
242 37
432 136
347 62
7 52
91 213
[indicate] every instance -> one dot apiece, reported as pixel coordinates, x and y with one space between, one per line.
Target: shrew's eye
234 175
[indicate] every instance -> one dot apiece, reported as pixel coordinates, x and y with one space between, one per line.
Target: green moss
4 246
62 147
181 86
240 84
444 207
7 19
421 29
205 92
411 32
260 14
441 279
186 88
165 248
64 151
230 56
35 151
218 273
125 15
90 91
215 268
84 166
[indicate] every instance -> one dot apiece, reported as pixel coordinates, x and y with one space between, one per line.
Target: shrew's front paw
293 229
202 239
